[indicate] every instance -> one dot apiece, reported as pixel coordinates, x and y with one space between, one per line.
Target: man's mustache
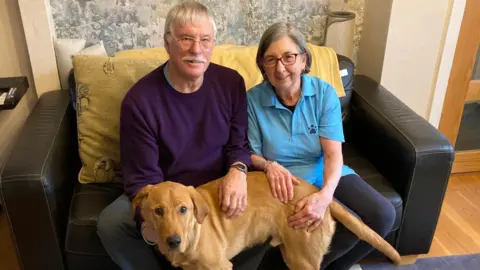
194 59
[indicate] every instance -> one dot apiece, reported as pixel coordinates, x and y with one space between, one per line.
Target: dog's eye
159 211
183 209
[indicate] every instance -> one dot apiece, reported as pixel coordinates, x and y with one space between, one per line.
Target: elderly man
186 121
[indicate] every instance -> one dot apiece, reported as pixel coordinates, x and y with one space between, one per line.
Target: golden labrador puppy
193 233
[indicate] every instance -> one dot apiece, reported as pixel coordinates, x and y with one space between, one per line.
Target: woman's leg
342 242
375 211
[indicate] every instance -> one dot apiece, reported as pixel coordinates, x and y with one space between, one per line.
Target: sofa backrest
347 69
345 65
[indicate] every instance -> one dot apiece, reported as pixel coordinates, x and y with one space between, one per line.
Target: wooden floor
8 258
458 230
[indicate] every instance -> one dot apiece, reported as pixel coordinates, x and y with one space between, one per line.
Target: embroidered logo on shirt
312 129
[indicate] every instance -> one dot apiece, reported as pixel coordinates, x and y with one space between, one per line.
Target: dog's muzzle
174 241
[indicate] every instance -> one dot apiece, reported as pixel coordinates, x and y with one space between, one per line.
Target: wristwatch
240 166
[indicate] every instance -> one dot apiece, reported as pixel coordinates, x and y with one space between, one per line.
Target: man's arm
237 149
233 188
138 149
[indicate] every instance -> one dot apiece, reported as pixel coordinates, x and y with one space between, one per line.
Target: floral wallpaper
127 24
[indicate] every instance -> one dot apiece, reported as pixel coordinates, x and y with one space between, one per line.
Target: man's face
190 47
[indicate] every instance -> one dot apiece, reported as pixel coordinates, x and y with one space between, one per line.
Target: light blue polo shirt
293 138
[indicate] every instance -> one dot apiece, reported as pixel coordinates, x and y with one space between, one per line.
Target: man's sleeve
138 150
237 145
330 124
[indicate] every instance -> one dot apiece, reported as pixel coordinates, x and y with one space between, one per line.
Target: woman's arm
333 164
259 162
311 209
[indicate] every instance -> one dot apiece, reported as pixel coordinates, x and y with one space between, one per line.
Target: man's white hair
188 12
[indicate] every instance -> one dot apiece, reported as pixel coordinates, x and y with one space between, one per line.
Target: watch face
240 166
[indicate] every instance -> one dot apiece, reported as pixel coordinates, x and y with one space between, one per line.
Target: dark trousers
370 206
346 250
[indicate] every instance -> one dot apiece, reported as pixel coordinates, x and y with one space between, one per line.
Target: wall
408 47
415 47
127 24
371 51
14 62
413 51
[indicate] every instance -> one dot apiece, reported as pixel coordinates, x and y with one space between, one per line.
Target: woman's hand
310 210
281 181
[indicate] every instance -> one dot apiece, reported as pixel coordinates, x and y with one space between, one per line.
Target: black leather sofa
53 217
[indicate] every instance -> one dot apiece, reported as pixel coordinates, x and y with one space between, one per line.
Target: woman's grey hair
277 31
187 12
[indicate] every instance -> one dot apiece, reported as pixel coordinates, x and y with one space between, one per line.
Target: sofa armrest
37 180
409 152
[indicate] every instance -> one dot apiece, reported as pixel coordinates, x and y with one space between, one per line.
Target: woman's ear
304 60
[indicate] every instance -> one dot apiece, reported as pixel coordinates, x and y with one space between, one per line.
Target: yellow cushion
102 82
242 59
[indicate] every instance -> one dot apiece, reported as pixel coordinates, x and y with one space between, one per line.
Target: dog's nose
174 241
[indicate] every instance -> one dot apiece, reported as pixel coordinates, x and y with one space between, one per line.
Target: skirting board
466 161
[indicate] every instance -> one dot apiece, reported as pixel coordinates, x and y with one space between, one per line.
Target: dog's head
173 210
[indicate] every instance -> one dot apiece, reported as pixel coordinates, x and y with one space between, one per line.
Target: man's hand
233 193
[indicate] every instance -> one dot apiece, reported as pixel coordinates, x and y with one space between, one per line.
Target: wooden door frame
459 84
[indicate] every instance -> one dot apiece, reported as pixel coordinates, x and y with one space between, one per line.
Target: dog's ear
141 195
201 207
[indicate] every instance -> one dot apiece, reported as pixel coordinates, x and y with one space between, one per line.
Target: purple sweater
187 138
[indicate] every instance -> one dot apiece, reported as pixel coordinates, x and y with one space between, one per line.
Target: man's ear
141 195
166 44
201 207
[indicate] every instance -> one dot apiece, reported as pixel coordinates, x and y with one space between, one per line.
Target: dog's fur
209 240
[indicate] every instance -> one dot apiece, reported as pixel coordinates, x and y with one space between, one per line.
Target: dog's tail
363 232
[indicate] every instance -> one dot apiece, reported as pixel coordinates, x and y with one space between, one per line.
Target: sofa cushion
88 202
370 174
101 84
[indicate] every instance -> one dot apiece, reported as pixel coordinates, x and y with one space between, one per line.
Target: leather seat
83 247
371 175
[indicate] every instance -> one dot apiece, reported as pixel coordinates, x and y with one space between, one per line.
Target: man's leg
122 240
250 259
375 211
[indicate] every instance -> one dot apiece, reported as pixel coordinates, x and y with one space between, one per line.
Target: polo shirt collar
269 98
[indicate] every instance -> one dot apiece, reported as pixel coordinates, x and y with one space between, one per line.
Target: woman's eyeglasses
287 60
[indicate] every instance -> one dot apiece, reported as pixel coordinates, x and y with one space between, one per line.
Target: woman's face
284 74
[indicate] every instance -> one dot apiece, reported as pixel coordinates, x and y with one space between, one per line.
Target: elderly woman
295 128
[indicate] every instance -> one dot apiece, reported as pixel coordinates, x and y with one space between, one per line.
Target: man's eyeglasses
287 60
188 42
